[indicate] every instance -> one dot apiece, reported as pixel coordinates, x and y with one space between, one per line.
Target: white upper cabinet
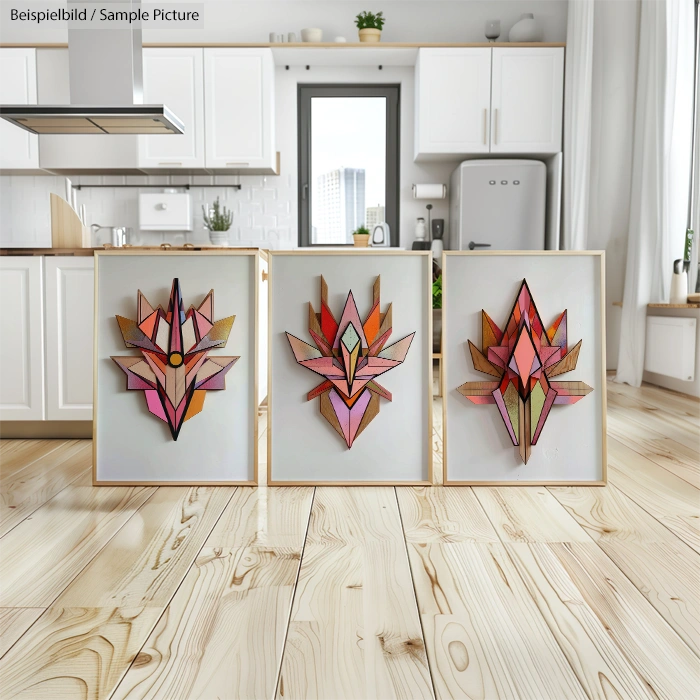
239 102
69 284
19 150
453 93
501 100
22 338
175 78
527 98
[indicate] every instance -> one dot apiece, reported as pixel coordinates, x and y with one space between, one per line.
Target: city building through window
349 163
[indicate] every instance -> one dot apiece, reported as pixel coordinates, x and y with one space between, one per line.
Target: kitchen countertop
91 251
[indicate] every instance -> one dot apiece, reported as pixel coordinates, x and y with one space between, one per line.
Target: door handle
486 112
495 126
473 245
304 191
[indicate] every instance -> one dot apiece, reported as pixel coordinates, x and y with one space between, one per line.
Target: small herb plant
437 293
361 231
368 20
218 218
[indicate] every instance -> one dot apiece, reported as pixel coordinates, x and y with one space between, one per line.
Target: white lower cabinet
22 339
46 345
69 284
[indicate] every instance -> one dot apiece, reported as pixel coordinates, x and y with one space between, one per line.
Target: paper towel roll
429 191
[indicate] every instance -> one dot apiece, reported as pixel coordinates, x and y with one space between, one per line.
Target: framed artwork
350 398
523 356
176 384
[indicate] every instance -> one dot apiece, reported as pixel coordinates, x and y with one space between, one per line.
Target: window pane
348 166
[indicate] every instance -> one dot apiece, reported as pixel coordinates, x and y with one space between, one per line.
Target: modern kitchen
479 196
241 150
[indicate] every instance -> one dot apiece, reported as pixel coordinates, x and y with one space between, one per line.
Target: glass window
348 169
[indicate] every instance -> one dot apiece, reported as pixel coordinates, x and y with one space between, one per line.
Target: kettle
380 237
118 234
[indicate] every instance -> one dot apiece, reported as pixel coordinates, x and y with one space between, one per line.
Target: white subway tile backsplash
258 193
276 206
262 209
264 221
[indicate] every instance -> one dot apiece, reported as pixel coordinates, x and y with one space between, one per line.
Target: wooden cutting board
67 230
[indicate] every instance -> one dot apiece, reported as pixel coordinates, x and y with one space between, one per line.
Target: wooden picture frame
427 341
599 255
257 279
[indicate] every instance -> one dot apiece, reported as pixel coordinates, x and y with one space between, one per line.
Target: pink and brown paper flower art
175 368
524 357
349 354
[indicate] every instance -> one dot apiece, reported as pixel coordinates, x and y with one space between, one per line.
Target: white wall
410 209
412 20
614 87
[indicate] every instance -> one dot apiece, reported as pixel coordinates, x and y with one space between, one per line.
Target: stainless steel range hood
106 88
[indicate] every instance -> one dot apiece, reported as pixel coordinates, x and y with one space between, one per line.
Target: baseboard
51 429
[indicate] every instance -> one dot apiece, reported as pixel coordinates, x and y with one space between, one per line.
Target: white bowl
312 36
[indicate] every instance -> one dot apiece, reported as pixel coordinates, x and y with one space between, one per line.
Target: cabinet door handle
175 163
486 113
238 165
495 126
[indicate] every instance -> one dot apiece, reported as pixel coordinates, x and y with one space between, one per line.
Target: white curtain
577 124
660 167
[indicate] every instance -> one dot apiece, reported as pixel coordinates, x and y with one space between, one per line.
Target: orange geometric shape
196 403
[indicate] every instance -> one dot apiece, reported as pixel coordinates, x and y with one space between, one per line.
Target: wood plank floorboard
354 630
223 632
528 514
664 569
14 622
489 593
24 491
673 501
87 639
16 455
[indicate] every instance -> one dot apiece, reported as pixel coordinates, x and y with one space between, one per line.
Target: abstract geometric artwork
174 368
349 355
524 358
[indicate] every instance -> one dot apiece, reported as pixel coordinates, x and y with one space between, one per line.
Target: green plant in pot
437 310
360 237
370 26
217 220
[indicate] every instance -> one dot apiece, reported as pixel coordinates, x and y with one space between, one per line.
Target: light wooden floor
221 593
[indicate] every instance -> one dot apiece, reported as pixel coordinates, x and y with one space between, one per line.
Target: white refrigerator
498 205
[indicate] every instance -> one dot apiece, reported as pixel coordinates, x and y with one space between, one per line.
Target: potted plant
370 26
360 237
217 221
437 309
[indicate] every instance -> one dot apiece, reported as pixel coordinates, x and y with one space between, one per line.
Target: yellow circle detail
175 359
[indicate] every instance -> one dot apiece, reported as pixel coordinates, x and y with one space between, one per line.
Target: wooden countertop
91 251
673 306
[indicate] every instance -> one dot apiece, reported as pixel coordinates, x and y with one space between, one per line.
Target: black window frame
392 93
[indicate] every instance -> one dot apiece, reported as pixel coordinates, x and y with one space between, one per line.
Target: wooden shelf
673 306
306 45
